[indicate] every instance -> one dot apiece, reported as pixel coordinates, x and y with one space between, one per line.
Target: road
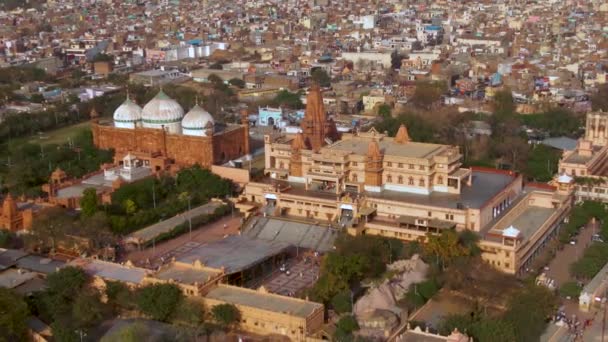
559 267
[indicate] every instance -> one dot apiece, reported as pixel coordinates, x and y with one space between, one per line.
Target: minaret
313 124
373 165
245 122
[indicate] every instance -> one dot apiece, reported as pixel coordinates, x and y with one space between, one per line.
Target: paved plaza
303 274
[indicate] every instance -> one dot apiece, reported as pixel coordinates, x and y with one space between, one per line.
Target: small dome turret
127 115
197 122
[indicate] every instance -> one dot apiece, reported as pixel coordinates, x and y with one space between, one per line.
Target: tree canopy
320 76
89 202
226 315
159 301
13 315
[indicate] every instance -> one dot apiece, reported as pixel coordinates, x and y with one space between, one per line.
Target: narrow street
559 267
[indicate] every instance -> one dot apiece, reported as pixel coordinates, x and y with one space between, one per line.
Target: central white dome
127 115
163 111
197 121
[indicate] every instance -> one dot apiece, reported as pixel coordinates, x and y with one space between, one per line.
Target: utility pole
154 195
189 218
604 319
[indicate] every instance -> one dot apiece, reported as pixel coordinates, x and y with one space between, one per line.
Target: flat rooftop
576 158
528 222
234 253
390 148
186 274
12 277
301 234
485 185
111 271
263 301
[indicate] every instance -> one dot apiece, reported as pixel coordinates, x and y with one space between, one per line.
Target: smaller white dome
128 112
565 179
511 232
197 119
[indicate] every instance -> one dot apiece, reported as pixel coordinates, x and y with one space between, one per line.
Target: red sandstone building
161 135
13 219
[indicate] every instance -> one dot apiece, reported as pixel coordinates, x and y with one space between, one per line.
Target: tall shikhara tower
314 122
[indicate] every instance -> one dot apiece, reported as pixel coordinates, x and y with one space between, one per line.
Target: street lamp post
189 218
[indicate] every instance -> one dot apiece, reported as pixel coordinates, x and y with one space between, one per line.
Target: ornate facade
160 135
13 219
373 184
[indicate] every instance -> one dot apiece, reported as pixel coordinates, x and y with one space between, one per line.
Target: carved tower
314 122
295 164
373 165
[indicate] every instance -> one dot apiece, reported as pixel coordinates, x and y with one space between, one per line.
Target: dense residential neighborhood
303 170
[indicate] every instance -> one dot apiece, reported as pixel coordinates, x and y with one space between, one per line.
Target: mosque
160 135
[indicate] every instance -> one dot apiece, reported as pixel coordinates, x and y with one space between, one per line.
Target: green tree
396 58
64 331
384 111
88 310
542 163
130 207
189 312
13 315
37 98
462 322
444 247
426 94
226 315
88 202
320 77
528 312
493 330
341 302
159 301
288 99
345 328
119 294
63 287
504 105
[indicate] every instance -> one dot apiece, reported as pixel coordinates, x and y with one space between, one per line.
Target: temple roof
9 207
402 136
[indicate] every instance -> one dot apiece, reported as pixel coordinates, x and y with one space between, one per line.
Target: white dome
162 110
128 111
197 119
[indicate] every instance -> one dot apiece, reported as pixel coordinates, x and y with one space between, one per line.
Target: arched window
410 181
421 182
354 177
440 180
400 180
389 178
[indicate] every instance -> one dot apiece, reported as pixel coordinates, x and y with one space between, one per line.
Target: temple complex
373 184
160 135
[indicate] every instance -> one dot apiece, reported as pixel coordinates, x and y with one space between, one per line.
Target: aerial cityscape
304 170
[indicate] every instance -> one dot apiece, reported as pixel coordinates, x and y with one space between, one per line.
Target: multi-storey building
373 184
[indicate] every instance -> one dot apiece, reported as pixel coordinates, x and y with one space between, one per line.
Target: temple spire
402 136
